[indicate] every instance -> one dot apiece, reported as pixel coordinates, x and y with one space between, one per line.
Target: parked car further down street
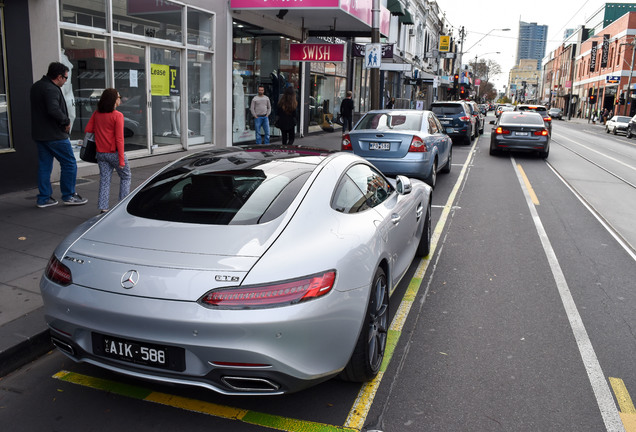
457 120
520 130
502 108
480 118
256 270
408 142
617 124
555 113
631 127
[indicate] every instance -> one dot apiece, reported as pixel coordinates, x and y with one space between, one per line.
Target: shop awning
406 18
395 7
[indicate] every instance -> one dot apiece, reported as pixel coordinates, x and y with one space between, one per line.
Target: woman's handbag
88 152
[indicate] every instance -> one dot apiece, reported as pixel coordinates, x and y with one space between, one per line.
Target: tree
485 70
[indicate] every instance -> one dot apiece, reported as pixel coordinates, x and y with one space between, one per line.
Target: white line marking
601 389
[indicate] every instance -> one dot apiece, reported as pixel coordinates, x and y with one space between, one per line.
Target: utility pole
375 38
572 56
628 95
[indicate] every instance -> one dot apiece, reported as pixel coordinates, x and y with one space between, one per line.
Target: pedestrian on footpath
287 116
346 111
108 126
261 108
50 127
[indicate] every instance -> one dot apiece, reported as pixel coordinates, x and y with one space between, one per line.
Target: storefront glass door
165 91
130 81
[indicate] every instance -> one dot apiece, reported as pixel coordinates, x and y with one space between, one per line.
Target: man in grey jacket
50 126
261 108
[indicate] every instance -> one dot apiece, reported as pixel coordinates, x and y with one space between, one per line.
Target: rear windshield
386 121
512 117
233 197
447 109
623 119
540 109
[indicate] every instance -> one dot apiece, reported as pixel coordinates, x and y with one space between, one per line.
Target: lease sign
316 52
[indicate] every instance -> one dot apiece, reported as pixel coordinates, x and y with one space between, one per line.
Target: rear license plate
522 133
450 130
444 122
379 146
141 353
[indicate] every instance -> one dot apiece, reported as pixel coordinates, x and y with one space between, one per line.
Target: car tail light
465 118
548 119
278 294
502 131
346 143
417 145
542 132
58 272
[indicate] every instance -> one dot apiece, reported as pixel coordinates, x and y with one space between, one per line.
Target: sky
479 17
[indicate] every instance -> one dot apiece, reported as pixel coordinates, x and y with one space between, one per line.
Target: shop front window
199 28
85 56
199 97
155 19
82 12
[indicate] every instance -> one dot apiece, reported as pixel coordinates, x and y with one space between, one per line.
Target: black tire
606 129
628 134
493 152
368 353
614 131
467 140
544 154
432 176
424 246
447 167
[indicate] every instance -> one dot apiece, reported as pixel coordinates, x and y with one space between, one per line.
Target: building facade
532 42
187 70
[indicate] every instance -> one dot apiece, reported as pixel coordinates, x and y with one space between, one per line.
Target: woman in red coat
108 126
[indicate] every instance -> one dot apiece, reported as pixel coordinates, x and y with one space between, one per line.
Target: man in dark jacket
50 126
346 111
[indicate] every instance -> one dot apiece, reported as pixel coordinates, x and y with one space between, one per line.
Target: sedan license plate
450 130
142 353
379 146
522 133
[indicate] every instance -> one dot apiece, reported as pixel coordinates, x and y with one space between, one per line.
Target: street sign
373 56
612 79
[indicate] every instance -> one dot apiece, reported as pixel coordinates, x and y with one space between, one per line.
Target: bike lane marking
600 387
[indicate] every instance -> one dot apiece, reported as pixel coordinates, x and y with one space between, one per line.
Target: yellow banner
444 43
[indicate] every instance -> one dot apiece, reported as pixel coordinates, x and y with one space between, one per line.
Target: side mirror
403 185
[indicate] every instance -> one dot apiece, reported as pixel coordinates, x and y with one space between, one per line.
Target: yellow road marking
627 410
533 196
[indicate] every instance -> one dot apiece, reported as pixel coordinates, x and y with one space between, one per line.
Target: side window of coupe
360 188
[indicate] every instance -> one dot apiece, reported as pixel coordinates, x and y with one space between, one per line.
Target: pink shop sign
283 4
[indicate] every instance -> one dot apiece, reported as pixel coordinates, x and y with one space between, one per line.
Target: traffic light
621 99
456 79
592 99
462 92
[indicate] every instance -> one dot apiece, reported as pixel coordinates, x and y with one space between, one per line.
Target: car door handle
395 218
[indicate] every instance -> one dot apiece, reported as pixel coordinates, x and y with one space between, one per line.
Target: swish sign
316 52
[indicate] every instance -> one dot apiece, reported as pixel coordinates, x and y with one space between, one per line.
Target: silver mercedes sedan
254 270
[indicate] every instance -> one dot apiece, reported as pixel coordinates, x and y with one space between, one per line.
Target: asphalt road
521 320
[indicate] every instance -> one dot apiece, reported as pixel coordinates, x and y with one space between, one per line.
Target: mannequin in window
174 104
239 102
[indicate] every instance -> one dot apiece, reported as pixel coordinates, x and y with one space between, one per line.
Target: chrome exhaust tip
250 384
63 346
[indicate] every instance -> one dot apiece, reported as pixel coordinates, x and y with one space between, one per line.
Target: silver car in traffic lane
257 270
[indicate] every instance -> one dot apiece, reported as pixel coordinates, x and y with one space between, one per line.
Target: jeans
264 123
108 162
63 152
347 123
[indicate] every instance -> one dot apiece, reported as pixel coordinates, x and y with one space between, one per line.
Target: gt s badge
226 278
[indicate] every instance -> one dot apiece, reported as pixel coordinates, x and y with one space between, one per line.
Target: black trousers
288 136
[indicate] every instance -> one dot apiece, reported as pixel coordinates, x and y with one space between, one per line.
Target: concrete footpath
29 235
